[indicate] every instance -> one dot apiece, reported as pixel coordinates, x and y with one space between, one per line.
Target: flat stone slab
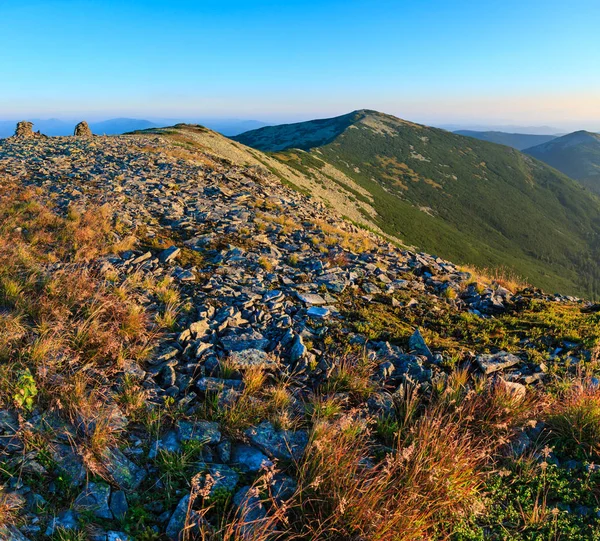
251 357
490 363
126 474
311 298
318 311
251 340
205 431
280 444
217 384
249 459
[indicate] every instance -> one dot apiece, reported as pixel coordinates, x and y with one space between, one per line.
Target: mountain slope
576 154
519 141
190 347
468 200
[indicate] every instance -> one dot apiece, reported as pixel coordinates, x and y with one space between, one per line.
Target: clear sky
526 62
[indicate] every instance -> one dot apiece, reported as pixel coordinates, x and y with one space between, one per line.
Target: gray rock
381 404
224 451
282 487
204 431
222 479
240 342
516 390
168 255
218 384
177 520
490 363
94 498
298 349
248 458
117 536
67 520
168 443
118 504
69 463
11 533
318 311
24 130
311 298
280 444
416 344
124 473
248 358
9 424
82 130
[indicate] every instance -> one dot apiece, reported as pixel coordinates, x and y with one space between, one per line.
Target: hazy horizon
464 63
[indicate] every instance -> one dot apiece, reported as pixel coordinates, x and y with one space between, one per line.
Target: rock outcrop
82 130
24 129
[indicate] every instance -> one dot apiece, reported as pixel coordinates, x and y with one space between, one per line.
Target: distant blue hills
116 126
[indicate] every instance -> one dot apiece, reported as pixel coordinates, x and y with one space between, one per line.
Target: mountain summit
576 154
468 200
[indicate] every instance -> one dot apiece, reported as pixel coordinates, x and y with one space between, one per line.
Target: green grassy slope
576 155
466 200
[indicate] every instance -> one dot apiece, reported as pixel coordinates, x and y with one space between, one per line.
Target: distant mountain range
116 126
464 199
505 128
520 141
575 154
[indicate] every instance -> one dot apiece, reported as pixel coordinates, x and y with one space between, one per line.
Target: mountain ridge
576 154
520 141
468 200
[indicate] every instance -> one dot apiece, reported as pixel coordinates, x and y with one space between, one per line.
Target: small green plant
26 390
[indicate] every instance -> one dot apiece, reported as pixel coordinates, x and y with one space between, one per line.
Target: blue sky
506 62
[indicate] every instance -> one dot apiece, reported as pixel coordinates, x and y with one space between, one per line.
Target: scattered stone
66 520
203 431
94 499
170 254
249 358
178 518
124 473
249 459
311 298
118 504
495 362
11 533
279 444
416 344
298 350
317 311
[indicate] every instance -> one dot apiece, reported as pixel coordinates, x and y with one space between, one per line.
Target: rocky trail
265 281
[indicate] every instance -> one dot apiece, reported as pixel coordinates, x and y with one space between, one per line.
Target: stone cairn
24 129
82 130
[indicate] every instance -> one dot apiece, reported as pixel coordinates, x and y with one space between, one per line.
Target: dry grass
430 481
66 330
502 276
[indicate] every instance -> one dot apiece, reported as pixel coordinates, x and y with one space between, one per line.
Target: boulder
24 130
82 130
490 363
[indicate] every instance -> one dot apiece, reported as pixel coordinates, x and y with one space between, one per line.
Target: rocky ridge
269 278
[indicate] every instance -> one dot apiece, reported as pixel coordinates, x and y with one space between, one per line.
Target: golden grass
64 331
502 276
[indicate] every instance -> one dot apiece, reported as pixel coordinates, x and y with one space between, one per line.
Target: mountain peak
316 133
